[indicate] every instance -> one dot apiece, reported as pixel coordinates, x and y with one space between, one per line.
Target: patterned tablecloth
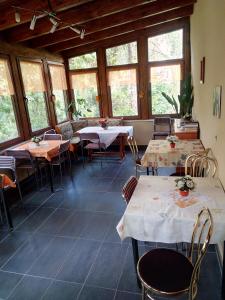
47 149
160 154
157 212
107 136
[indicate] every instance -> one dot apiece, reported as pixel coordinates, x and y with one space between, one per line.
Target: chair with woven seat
169 273
135 154
52 137
128 188
162 127
8 167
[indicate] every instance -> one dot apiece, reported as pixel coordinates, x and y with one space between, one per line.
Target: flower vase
172 145
184 193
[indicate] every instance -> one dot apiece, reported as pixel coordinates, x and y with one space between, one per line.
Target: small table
160 154
108 136
186 131
46 149
157 213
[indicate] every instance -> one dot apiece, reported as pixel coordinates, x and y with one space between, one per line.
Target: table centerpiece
172 139
185 184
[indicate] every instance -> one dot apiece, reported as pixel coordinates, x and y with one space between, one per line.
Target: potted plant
80 110
172 139
185 99
103 123
36 140
185 184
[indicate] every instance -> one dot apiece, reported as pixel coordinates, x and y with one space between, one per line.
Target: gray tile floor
65 245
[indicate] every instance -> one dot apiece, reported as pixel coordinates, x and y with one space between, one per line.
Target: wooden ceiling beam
8 13
79 14
126 38
106 22
125 28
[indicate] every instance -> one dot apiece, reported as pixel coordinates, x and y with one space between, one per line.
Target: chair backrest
8 166
19 154
198 165
129 188
133 147
64 147
89 136
52 137
201 236
50 131
162 124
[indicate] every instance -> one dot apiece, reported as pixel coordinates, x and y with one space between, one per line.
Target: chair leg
6 209
60 170
147 170
143 292
19 190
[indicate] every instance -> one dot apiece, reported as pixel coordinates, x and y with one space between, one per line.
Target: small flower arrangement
36 140
172 139
103 123
185 184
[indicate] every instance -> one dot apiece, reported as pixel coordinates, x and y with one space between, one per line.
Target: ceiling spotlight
75 30
82 34
17 16
54 26
33 22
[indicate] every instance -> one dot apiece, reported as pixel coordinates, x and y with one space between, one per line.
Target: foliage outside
60 106
85 61
122 55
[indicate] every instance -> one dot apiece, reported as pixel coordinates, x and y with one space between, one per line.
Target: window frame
162 63
118 68
15 105
85 71
65 92
46 97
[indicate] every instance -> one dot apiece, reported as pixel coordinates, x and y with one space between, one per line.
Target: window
165 55
85 61
8 124
122 79
122 55
85 84
123 90
35 93
86 94
59 87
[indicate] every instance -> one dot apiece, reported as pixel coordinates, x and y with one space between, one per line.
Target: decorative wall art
217 101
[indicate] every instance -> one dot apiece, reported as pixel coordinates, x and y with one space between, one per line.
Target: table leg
223 273
122 151
136 258
6 209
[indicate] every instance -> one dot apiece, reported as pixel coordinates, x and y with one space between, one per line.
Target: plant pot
172 145
184 193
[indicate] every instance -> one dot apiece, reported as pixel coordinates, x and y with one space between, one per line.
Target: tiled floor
65 245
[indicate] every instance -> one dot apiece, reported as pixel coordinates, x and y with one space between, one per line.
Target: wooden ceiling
101 19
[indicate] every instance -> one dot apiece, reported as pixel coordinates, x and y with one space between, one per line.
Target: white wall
143 130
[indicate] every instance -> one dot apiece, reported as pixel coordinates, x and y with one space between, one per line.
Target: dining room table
158 213
46 149
160 154
109 134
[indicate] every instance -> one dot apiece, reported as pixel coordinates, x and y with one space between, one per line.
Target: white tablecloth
107 136
157 213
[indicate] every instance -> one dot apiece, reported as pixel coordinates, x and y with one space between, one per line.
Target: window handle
25 99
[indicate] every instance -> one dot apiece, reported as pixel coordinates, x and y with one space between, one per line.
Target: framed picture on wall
217 101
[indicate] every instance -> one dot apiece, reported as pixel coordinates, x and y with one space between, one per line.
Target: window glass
86 94
34 88
8 124
59 87
166 46
123 92
85 61
164 79
122 55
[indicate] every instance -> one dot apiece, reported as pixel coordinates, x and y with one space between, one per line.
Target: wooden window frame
119 68
20 137
65 92
46 98
87 71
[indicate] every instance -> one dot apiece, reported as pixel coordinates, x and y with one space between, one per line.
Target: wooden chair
50 131
166 272
129 188
201 166
162 127
135 154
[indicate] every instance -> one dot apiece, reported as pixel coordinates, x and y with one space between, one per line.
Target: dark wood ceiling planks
102 20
